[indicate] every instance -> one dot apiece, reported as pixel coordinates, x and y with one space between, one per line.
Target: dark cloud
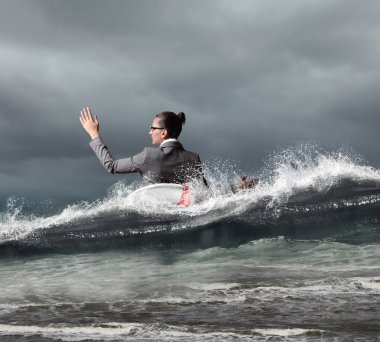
251 75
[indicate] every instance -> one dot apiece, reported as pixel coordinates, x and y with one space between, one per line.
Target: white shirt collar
167 140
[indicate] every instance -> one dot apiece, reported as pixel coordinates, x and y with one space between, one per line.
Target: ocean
295 259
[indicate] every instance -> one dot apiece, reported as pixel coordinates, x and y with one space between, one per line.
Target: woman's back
168 163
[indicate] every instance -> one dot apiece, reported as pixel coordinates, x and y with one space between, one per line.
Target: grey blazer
170 163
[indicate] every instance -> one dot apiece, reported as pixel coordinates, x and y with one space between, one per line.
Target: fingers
81 120
83 117
86 116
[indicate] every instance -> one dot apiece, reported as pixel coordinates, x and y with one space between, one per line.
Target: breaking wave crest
138 331
294 182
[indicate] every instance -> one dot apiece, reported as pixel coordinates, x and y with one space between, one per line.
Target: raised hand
89 123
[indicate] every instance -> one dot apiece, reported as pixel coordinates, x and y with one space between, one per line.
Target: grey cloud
249 74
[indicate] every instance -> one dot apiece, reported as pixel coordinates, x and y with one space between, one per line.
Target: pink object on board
185 197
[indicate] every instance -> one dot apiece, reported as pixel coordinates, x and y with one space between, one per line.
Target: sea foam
287 172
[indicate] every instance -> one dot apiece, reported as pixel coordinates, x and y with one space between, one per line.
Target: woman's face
158 135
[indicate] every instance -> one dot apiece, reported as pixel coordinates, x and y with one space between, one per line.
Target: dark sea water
296 259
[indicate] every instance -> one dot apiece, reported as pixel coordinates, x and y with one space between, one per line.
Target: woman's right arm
112 165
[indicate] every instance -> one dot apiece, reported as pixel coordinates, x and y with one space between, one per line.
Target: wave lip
288 332
213 286
301 186
136 331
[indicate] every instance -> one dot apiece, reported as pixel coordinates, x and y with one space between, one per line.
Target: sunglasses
153 128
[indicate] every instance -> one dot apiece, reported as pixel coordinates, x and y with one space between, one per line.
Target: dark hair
172 122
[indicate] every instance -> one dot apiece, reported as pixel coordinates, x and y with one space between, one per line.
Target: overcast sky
252 76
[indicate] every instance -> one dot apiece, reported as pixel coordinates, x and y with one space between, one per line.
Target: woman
169 163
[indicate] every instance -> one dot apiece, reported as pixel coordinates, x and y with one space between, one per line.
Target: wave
324 289
136 331
304 192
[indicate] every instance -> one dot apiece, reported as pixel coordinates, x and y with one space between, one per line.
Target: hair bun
182 117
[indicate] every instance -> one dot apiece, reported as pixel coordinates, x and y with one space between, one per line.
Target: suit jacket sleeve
112 165
200 172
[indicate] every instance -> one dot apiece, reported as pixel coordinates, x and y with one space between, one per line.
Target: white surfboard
161 192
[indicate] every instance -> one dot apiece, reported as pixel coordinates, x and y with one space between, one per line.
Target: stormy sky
252 76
